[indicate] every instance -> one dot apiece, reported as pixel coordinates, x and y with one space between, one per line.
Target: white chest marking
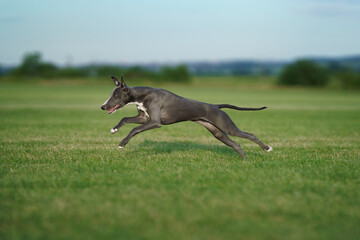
140 106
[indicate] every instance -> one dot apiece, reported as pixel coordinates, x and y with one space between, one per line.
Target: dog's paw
270 149
120 147
114 130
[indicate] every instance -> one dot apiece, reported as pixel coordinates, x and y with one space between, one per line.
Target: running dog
158 107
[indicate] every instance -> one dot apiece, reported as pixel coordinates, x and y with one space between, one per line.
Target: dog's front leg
151 124
141 118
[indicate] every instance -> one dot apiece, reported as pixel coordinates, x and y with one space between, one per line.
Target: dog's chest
141 107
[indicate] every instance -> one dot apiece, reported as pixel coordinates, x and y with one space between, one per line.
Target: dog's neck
136 94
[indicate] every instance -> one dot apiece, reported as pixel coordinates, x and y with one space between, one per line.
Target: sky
140 31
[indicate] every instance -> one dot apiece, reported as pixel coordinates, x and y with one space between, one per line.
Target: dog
158 107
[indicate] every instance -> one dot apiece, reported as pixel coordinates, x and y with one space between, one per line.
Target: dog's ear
116 81
123 84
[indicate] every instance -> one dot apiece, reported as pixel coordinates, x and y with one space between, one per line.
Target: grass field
62 176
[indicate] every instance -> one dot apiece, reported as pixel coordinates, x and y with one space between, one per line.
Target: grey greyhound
158 107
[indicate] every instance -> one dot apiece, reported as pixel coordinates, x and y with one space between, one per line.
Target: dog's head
119 97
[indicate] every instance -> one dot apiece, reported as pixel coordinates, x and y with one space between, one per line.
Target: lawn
63 177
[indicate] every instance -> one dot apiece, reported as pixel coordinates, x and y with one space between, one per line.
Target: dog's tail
239 108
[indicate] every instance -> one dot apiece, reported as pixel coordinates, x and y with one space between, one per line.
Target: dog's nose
102 107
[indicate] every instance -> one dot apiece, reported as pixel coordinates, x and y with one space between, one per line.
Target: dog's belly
187 111
166 119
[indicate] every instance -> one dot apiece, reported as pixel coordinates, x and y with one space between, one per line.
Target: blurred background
301 42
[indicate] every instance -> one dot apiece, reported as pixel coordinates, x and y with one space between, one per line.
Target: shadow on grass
187 146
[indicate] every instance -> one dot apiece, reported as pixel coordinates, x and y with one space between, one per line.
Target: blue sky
118 31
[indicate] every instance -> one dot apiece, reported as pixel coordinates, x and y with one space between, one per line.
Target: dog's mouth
113 109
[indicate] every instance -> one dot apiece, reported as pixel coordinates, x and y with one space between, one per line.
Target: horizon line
177 62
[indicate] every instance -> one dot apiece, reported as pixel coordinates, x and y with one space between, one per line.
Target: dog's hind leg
252 137
224 122
221 136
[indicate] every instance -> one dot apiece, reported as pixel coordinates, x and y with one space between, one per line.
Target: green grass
62 176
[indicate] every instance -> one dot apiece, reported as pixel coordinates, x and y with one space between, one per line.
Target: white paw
120 147
114 130
270 149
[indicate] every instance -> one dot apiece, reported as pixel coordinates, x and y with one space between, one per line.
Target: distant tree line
299 73
308 73
33 66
